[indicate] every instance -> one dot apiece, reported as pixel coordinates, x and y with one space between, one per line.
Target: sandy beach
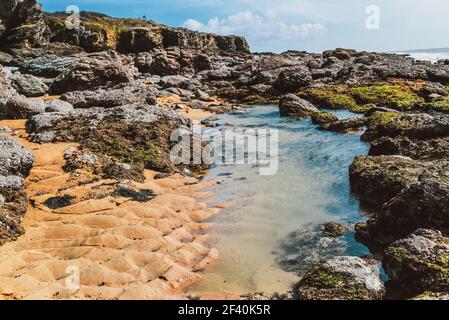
123 249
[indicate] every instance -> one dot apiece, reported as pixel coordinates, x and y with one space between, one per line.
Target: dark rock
408 194
28 85
341 278
19 107
14 158
393 124
94 71
21 23
429 149
59 202
292 79
127 191
376 180
6 90
344 125
15 165
46 65
419 263
334 229
323 117
293 106
143 62
127 94
59 106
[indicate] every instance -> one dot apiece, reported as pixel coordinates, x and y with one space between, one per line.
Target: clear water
311 187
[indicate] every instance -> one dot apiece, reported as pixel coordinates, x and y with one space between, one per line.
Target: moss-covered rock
406 194
323 117
341 278
427 149
392 96
414 126
346 125
376 180
332 97
419 263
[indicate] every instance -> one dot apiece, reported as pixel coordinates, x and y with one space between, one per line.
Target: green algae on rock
419 263
341 278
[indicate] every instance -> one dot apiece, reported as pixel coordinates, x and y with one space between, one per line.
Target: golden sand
122 249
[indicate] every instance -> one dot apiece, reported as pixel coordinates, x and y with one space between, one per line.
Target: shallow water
310 187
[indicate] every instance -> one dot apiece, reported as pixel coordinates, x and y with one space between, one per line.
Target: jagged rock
393 124
12 211
21 23
434 88
28 85
437 148
376 180
143 39
323 117
59 106
293 106
15 164
143 62
341 278
408 194
14 158
6 90
44 121
344 125
94 71
419 263
128 94
5 58
292 79
175 82
19 107
46 65
334 229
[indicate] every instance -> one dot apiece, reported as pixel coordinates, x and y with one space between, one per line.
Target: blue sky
312 25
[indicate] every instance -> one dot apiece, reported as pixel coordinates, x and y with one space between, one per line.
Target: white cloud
256 28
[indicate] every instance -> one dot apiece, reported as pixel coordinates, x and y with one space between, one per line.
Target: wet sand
123 249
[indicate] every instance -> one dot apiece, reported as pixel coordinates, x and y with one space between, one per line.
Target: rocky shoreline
104 87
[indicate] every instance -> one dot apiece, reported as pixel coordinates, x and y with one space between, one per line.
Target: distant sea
432 55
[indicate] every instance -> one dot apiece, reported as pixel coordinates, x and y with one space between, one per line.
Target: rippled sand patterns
123 249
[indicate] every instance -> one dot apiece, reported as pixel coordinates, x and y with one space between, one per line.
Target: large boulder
14 158
21 23
376 180
19 107
437 148
15 164
407 194
292 79
28 85
46 65
419 263
6 90
123 95
293 106
413 126
341 278
93 71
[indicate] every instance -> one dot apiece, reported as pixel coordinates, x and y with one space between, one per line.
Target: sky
280 25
